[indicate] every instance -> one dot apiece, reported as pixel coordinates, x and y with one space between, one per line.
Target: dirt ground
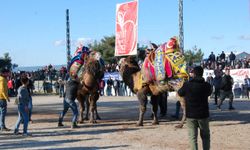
117 130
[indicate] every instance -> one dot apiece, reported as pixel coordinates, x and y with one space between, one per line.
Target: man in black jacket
216 83
69 101
226 89
196 93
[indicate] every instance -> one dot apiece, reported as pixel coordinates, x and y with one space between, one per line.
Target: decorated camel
164 69
90 70
92 73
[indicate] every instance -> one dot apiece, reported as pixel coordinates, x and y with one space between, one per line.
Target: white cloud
244 37
75 43
59 43
82 41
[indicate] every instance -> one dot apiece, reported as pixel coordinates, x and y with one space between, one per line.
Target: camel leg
176 85
87 112
93 98
142 97
87 107
182 101
154 102
82 108
97 115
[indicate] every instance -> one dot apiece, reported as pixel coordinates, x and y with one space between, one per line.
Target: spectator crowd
222 60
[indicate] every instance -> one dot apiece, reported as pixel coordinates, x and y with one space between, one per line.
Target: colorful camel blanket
164 63
77 63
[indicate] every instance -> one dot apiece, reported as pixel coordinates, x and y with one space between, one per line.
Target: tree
194 55
141 52
5 62
106 47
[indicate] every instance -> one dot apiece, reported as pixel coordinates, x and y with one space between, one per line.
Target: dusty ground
117 130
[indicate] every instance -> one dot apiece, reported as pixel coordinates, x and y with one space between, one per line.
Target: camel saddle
164 63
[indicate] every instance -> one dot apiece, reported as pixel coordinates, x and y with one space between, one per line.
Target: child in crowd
23 98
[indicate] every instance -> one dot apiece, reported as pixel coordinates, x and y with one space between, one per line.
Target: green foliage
141 52
106 47
194 55
5 61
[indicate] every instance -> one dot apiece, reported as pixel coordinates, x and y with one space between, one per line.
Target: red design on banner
240 72
126 29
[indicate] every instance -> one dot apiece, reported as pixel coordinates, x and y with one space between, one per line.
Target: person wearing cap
226 87
69 101
196 92
4 73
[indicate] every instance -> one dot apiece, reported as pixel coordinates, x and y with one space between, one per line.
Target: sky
33 32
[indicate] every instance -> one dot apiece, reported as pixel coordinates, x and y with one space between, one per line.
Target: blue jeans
61 91
3 112
22 115
66 105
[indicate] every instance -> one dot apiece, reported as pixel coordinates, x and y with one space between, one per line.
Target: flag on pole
126 29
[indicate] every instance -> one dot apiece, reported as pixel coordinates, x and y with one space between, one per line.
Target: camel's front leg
92 100
142 97
97 115
82 107
87 108
182 101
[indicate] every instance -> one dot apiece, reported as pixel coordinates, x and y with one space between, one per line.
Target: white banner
126 29
237 74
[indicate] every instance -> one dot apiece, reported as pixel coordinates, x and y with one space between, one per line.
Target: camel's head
96 55
128 63
121 63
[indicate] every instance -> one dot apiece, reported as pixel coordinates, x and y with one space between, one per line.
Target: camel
133 76
92 73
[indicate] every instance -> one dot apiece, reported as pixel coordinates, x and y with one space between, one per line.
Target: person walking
216 83
23 98
4 73
30 85
69 101
196 93
226 89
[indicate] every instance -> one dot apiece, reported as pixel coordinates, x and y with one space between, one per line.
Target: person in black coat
226 87
196 92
